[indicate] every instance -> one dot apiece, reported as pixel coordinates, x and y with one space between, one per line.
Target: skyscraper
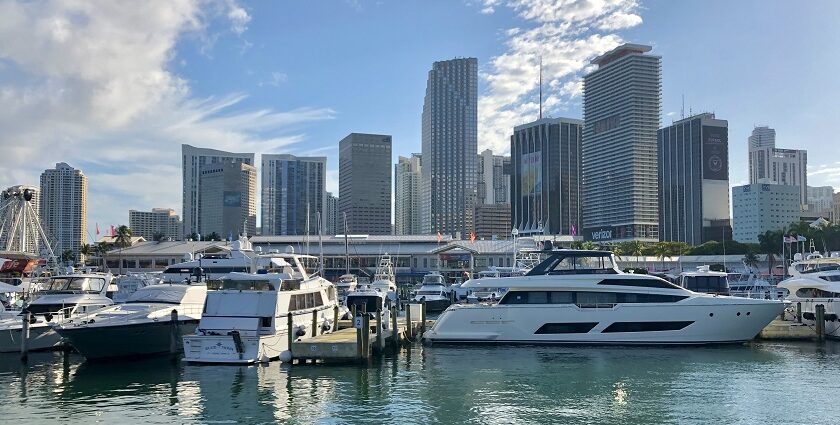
694 180
621 109
64 207
157 223
228 199
193 159
450 147
772 165
545 176
291 186
331 218
820 198
364 183
493 178
407 178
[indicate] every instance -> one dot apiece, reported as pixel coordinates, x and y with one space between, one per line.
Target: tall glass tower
450 147
621 110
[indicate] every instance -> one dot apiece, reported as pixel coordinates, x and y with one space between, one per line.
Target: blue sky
115 88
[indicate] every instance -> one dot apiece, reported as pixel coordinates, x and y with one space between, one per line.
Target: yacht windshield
433 279
75 284
576 262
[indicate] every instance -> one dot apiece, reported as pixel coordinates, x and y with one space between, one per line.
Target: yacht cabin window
561 262
588 299
240 285
815 293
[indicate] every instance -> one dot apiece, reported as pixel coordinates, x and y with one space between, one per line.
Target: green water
760 383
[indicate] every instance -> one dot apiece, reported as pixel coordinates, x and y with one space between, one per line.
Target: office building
228 199
621 109
332 219
694 180
156 225
772 165
407 182
63 208
493 178
820 198
758 208
450 147
293 194
835 209
364 183
492 221
545 176
192 159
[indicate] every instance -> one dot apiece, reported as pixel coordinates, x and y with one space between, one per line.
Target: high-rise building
820 198
621 109
64 207
331 220
835 209
772 165
157 224
545 176
694 180
407 182
450 147
292 187
192 159
493 178
758 208
364 183
492 221
228 199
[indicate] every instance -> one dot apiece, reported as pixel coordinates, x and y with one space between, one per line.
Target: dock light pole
514 232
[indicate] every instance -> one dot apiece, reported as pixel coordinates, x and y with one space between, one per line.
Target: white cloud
567 34
92 84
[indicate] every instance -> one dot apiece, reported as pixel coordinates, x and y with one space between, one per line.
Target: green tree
589 245
87 250
751 260
123 236
68 256
212 237
661 250
158 237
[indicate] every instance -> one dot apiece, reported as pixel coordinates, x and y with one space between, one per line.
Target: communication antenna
682 109
541 102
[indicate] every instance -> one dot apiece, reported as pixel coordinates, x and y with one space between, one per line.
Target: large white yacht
434 292
139 327
384 279
816 281
245 314
346 284
58 298
581 297
705 280
212 265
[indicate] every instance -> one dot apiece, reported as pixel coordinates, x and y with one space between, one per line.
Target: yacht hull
125 340
222 349
704 322
41 337
436 305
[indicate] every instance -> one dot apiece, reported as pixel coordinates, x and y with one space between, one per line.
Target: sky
115 87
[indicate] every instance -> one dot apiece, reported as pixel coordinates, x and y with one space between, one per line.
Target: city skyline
218 92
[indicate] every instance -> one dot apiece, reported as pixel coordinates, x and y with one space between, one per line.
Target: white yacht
366 299
749 285
131 282
486 287
140 326
211 265
58 298
816 281
581 297
245 314
705 280
346 284
383 278
434 292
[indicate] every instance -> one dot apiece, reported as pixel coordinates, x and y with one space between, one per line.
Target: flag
573 230
439 237
97 229
472 236
113 231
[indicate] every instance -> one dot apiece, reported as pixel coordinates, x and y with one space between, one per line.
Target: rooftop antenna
541 102
682 109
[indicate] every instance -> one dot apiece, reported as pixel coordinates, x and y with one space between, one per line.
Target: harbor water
757 383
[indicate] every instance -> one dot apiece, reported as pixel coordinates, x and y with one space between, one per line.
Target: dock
787 330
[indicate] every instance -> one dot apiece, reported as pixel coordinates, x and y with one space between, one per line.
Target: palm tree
123 236
68 256
589 245
750 260
677 248
101 249
661 250
86 250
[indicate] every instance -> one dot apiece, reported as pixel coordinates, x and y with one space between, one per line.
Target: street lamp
514 232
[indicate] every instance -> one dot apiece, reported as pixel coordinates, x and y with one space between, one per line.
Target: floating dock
788 330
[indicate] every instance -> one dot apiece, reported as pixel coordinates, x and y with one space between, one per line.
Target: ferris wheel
20 227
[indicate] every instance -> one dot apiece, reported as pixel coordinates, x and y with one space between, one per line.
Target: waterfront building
757 208
694 180
63 207
292 187
192 159
820 198
450 147
19 217
331 218
228 199
493 184
492 221
364 183
772 165
621 109
545 176
407 182
155 225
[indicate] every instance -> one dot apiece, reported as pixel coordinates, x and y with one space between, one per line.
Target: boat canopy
576 262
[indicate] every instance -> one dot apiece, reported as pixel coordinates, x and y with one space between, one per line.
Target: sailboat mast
346 249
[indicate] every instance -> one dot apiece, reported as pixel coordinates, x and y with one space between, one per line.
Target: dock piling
799 312
395 333
359 338
314 323
380 341
24 337
365 336
335 318
423 319
409 329
174 332
291 325
820 319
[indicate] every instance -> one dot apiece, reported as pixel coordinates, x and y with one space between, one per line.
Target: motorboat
816 283
434 293
58 298
131 282
749 285
384 279
346 283
486 287
705 280
366 299
245 318
143 325
581 297
211 266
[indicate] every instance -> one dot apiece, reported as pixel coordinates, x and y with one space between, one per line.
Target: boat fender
300 331
48 317
325 327
286 356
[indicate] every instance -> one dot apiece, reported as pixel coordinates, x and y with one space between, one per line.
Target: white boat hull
222 348
696 321
41 337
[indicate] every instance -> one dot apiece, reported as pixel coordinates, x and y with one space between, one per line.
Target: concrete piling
24 336
820 321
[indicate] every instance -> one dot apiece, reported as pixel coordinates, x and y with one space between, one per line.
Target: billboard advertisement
532 173
715 153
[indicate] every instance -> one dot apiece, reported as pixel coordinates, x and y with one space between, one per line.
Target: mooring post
799 312
820 319
395 334
380 341
24 337
409 327
365 336
353 310
335 318
291 325
423 318
359 338
174 332
314 323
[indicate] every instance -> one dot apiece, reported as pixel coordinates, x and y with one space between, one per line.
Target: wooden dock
787 330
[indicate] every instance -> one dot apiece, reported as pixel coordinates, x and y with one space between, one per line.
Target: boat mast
320 244
346 249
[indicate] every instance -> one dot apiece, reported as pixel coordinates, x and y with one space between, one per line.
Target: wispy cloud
566 34
94 85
